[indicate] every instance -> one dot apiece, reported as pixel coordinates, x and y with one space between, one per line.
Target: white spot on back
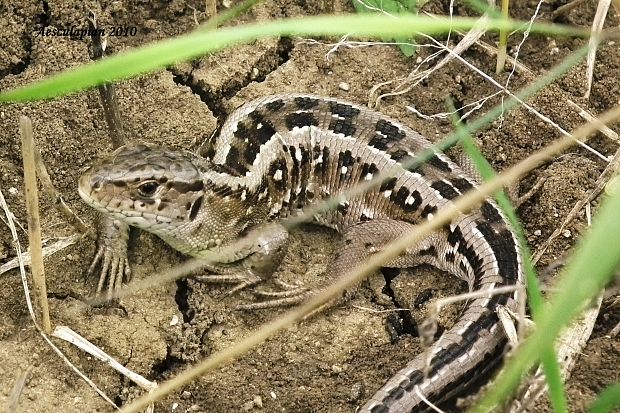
343 170
368 176
260 125
278 175
387 193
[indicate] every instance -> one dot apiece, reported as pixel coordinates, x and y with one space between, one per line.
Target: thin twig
566 8
59 203
107 92
18 388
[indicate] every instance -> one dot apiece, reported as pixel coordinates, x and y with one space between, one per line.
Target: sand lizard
278 154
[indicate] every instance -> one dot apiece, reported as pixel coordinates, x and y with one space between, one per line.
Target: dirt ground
335 361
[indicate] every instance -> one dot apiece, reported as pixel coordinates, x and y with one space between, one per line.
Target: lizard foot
243 280
289 295
112 256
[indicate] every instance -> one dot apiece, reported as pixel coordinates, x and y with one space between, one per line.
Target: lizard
278 154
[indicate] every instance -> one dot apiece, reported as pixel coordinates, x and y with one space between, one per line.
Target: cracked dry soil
335 361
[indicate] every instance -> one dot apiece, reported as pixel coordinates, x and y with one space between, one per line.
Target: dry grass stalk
597 27
17 390
34 225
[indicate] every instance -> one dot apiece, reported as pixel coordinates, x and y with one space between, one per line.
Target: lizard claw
289 295
112 257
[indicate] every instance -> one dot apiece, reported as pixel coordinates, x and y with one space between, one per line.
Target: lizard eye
148 189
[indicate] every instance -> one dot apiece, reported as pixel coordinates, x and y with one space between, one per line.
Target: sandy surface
335 361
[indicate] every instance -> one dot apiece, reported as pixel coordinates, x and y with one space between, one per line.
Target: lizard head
147 186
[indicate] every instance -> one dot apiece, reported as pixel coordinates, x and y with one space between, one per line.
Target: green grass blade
608 400
167 52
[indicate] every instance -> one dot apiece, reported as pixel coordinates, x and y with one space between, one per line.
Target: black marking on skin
161 206
300 120
306 102
430 251
119 183
275 105
445 189
279 164
388 133
344 126
388 184
295 171
428 209
250 137
343 208
185 187
345 159
325 163
450 257
505 250
462 267
462 184
446 355
343 110
403 158
195 208
285 148
400 199
368 169
232 160
266 130
455 236
364 218
490 212
469 337
379 409
438 163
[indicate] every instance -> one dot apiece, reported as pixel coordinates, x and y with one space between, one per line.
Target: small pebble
538 233
344 86
186 395
566 233
247 406
254 73
13 190
174 321
357 390
175 406
273 395
258 402
336 369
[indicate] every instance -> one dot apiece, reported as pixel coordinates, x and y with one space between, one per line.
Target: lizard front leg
357 243
111 255
252 259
